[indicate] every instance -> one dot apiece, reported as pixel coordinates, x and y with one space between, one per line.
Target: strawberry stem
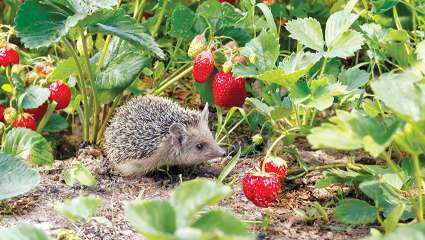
172 81
269 151
160 17
46 117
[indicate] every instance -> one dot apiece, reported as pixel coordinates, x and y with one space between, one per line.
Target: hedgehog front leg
137 167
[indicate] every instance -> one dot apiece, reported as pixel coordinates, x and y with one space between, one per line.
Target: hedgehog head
195 144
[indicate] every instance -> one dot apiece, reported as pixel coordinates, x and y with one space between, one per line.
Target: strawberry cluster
263 186
228 91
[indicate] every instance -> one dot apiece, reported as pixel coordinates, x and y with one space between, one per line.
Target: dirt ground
37 206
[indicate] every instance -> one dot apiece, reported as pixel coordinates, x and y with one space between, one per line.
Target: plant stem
140 10
104 50
160 17
269 151
172 81
294 171
50 109
115 104
419 212
93 133
322 70
81 84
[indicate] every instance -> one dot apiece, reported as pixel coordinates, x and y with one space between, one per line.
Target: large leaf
40 24
414 231
219 15
56 123
23 231
381 6
154 219
337 24
192 196
34 97
28 145
307 31
403 93
117 23
353 78
354 211
16 177
222 222
81 209
65 69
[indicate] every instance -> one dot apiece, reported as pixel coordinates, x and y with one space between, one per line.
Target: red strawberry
8 55
203 66
61 93
228 91
275 165
25 120
38 112
261 188
229 1
2 108
147 15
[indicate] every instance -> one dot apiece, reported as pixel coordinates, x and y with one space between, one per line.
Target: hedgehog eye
199 146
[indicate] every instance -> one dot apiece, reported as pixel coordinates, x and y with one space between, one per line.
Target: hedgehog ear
204 114
178 133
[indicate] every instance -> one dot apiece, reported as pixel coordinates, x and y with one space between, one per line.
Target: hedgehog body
149 132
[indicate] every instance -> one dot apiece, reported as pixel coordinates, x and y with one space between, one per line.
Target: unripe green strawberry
10 115
257 139
203 66
252 58
227 67
198 44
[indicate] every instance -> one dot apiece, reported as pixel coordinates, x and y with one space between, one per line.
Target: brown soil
37 207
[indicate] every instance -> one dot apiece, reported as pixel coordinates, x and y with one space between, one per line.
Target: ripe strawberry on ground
275 165
8 55
25 120
2 108
38 112
198 44
203 66
61 93
228 91
262 189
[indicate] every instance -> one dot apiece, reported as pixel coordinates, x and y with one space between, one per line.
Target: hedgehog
149 132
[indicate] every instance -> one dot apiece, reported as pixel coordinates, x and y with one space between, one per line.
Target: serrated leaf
78 173
337 24
34 97
266 49
194 195
28 145
353 78
117 23
354 211
56 123
23 231
80 209
65 69
16 177
219 15
345 45
307 31
154 219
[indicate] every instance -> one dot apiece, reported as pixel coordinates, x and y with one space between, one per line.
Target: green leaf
219 15
229 167
181 23
56 123
403 93
381 6
80 209
120 72
353 78
391 222
34 97
354 211
222 222
266 49
307 31
420 51
337 24
153 219
411 138
115 22
28 145
16 177
205 90
194 195
65 69
23 231
40 24
78 173
346 45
